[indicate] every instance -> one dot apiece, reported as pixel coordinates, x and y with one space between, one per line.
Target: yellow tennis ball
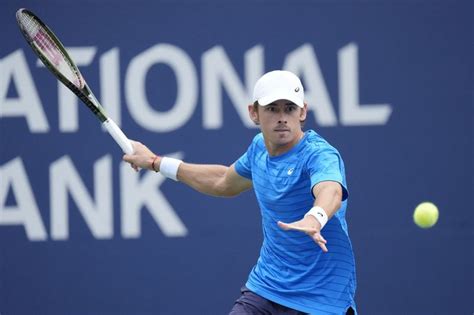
426 215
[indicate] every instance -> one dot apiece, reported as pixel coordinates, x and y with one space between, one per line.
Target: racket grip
118 136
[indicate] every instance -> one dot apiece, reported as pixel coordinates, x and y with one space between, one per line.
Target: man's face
279 122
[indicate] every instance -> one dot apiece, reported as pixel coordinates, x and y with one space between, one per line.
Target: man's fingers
283 225
134 167
319 239
294 227
291 226
127 158
315 235
323 247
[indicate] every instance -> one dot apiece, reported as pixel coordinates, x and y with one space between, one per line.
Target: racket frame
84 93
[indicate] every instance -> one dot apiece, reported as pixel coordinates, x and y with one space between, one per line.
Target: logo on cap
297 89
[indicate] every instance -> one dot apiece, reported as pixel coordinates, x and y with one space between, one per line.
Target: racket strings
49 49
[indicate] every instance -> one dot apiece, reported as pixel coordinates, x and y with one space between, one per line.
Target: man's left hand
308 225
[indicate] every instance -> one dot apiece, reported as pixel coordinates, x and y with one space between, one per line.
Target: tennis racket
55 57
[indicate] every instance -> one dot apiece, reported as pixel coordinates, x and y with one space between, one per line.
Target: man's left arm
328 198
328 195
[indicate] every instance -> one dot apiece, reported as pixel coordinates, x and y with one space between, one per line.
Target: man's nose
282 119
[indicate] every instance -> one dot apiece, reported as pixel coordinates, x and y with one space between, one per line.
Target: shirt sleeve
243 166
326 164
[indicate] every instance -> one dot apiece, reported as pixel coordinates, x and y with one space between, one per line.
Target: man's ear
253 114
303 112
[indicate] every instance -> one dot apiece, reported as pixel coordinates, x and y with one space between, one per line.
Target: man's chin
282 140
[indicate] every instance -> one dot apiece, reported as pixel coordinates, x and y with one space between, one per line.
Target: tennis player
300 184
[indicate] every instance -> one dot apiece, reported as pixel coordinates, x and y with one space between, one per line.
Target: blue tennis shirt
292 270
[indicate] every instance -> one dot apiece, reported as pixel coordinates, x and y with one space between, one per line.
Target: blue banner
388 83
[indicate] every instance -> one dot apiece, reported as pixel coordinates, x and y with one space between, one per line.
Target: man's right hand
142 157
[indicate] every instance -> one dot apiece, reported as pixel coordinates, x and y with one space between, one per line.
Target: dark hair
256 106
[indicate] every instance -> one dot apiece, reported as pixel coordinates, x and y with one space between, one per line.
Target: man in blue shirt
300 184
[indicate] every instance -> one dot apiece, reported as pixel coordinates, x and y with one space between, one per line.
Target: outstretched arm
328 196
215 180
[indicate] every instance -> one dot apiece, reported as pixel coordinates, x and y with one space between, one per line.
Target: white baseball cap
278 85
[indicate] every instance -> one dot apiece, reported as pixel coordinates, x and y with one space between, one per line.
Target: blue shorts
250 303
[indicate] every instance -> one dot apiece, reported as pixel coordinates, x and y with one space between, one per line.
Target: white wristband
319 214
169 167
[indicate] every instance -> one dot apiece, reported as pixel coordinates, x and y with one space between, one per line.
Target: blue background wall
415 56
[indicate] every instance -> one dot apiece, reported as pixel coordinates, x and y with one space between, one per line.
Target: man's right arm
215 180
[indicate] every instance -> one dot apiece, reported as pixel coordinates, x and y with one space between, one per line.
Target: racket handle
118 136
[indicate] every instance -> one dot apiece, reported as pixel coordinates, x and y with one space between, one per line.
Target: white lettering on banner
218 75
25 212
187 88
304 63
138 191
14 68
65 181
110 84
353 114
218 71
